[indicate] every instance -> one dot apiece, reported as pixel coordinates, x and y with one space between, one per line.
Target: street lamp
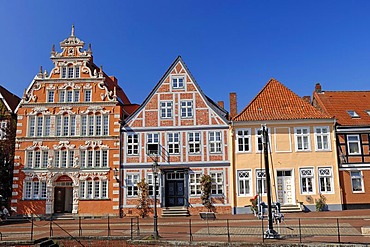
155 217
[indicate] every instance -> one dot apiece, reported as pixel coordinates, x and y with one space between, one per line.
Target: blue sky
229 46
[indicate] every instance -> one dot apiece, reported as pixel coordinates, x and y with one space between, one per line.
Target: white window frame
261 183
302 136
320 136
166 109
34 190
177 83
215 142
244 180
325 175
132 179
186 109
173 143
94 125
93 189
194 184
62 158
94 158
37 159
152 138
65 125
307 180
357 175
150 182
243 140
87 95
50 96
217 183
132 144
194 142
357 142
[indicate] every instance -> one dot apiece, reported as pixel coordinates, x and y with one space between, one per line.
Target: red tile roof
277 102
337 103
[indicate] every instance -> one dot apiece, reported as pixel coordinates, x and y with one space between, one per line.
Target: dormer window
368 112
353 114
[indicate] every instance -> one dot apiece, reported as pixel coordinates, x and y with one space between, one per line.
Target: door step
291 208
63 216
175 212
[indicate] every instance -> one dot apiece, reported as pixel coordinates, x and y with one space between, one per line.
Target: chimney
318 88
233 105
307 99
221 104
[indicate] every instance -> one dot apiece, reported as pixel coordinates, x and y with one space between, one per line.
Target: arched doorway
63 195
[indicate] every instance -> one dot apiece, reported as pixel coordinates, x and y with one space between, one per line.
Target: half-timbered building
351 110
185 133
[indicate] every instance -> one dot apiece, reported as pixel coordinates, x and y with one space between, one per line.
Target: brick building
68 137
190 134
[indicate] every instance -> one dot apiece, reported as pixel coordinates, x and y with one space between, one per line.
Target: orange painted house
68 137
190 134
351 110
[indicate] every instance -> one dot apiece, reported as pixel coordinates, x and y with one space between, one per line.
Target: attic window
353 114
368 112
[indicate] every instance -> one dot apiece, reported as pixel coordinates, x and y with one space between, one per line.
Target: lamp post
155 217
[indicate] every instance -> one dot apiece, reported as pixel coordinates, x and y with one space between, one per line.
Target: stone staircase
295 208
175 212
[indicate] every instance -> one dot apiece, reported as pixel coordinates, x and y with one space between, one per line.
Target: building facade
351 110
189 134
8 121
68 137
302 154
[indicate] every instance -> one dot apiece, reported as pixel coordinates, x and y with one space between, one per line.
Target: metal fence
297 230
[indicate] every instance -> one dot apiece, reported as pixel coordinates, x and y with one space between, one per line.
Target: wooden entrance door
175 193
285 190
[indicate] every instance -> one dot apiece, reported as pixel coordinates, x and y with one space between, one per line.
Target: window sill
94 199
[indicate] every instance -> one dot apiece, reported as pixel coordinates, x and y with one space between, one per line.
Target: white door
285 187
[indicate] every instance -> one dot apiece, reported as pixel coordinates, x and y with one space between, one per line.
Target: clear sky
229 46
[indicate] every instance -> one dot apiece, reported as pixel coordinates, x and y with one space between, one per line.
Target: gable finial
73 30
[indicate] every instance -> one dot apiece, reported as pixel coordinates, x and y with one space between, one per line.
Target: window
3 127
194 142
152 140
173 143
261 182
322 137
357 181
353 114
93 189
62 94
87 94
215 142
35 190
94 125
69 95
39 126
150 181
76 96
302 137
325 180
307 178
186 109
178 82
65 125
77 72
37 159
243 138
93 158
64 72
244 183
166 109
194 183
132 144
64 158
217 183
131 184
50 97
353 142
